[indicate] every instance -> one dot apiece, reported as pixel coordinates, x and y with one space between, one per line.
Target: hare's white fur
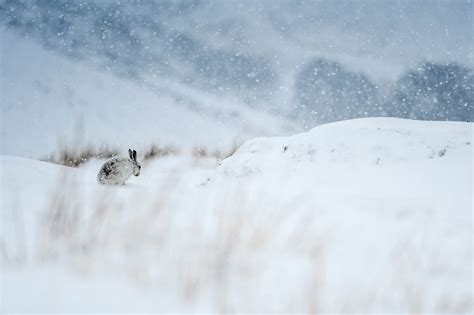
117 170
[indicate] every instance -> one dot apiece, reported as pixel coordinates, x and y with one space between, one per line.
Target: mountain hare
118 169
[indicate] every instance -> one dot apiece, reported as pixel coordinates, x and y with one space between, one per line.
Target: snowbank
357 143
370 215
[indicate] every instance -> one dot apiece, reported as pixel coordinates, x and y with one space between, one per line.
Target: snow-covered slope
361 143
387 201
48 102
370 215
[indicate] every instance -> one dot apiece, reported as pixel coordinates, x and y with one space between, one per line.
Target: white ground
369 215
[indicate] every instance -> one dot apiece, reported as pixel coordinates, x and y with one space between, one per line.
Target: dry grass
231 150
203 244
73 157
158 152
218 155
76 157
191 243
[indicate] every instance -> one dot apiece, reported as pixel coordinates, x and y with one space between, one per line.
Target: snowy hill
369 215
368 142
49 102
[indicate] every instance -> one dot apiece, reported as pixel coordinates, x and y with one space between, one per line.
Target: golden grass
74 157
155 151
167 237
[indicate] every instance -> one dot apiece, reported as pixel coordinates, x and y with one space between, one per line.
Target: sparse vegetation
219 155
202 234
76 157
157 152
160 238
154 241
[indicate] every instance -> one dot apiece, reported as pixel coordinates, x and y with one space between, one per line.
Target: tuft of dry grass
158 152
202 152
230 151
76 157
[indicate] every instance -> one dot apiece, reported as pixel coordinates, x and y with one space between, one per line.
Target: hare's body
118 170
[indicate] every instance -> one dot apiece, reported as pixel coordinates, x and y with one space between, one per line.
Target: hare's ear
134 155
130 154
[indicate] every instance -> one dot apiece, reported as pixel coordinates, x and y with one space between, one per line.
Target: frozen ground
369 215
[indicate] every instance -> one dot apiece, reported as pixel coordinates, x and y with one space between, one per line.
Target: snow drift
369 215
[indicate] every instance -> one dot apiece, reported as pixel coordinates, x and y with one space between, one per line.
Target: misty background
248 68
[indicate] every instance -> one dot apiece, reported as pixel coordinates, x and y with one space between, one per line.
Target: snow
369 215
49 102
366 215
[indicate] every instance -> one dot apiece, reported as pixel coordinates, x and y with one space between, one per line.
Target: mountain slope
48 101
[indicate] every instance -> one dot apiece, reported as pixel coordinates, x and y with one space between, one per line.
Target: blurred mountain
326 92
136 39
434 92
314 61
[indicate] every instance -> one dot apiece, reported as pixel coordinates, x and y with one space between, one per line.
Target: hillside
49 102
368 215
